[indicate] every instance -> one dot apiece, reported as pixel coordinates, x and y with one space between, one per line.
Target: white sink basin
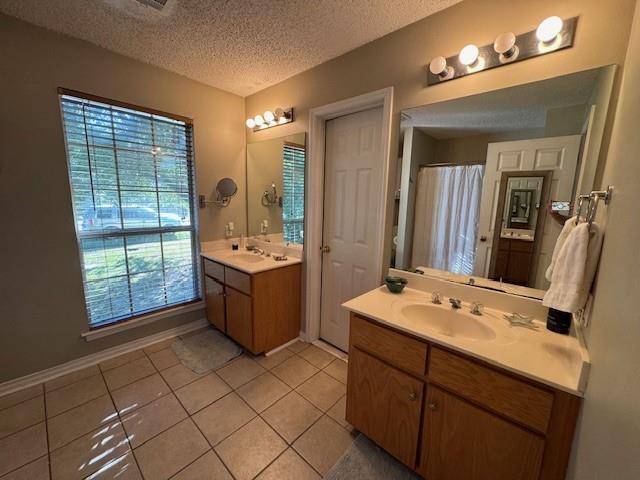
445 321
248 257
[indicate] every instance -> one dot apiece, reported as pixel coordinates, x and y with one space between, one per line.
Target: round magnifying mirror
226 188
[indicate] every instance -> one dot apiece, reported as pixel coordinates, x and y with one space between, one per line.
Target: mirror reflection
486 182
275 189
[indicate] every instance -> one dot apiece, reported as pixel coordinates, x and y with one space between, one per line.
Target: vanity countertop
247 261
560 361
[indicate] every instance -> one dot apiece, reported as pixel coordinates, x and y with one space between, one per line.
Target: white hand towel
569 225
575 269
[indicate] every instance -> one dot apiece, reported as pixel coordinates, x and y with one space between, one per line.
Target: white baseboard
281 347
331 349
83 362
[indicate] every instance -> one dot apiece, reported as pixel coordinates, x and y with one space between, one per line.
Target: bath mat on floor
205 351
364 460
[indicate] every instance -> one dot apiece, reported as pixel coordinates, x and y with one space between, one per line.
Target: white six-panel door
558 154
353 197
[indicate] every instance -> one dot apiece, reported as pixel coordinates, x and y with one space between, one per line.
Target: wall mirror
486 182
275 189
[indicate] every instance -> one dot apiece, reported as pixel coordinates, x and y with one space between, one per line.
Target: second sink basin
248 257
445 321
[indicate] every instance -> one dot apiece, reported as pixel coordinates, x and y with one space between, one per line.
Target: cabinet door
464 442
384 404
239 318
214 297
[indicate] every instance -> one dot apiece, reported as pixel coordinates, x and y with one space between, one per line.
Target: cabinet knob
432 406
413 396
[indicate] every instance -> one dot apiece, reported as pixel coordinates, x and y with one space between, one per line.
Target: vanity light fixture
506 48
270 118
469 55
552 34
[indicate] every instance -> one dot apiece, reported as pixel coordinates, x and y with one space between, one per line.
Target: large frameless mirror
275 189
486 182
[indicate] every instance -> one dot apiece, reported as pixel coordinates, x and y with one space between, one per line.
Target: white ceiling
517 108
241 46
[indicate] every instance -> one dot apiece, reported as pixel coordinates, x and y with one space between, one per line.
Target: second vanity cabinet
448 416
260 311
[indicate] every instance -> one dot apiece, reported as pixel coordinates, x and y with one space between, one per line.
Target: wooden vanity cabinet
449 416
260 311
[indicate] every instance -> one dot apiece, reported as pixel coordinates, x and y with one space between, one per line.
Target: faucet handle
455 302
477 308
435 298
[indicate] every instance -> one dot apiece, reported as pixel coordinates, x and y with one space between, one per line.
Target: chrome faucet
455 303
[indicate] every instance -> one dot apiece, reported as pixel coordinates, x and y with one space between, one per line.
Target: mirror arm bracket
220 202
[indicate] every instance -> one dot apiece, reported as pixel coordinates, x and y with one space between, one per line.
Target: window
293 192
132 181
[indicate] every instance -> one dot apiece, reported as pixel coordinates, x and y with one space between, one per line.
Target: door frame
547 178
314 195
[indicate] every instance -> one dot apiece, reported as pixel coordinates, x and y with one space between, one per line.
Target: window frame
194 228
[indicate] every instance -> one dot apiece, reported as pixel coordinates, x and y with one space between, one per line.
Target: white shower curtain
446 217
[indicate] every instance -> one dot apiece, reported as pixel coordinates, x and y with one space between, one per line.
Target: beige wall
42 310
607 441
400 59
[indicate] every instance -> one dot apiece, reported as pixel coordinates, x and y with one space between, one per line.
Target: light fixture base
527 44
287 117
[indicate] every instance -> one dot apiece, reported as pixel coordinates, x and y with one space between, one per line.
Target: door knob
325 249
483 238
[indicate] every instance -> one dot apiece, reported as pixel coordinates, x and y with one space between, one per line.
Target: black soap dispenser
559 321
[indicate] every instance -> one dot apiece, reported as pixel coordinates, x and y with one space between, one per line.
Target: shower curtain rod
432 165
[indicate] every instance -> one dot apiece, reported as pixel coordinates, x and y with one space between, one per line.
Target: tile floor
145 415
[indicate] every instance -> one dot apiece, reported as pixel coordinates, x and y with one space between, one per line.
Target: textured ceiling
241 46
510 109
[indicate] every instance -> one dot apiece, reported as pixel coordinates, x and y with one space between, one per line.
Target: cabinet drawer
238 280
399 350
214 269
513 398
521 246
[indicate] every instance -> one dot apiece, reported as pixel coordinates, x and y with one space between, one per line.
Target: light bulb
468 55
504 43
549 29
258 120
438 66
268 116
506 48
279 113
250 122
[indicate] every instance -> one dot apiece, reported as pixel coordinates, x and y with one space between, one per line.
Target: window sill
140 321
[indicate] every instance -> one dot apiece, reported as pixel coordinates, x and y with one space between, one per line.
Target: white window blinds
132 183
293 158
